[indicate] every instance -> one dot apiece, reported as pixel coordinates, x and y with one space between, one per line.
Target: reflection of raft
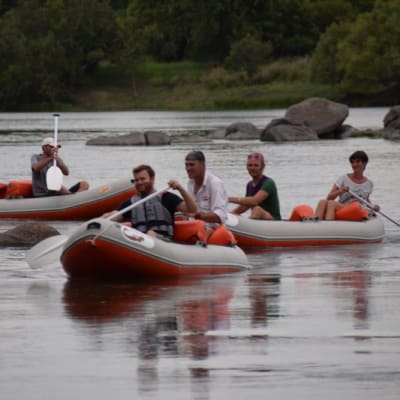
102 249
78 206
261 233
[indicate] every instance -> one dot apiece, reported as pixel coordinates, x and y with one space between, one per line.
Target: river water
302 323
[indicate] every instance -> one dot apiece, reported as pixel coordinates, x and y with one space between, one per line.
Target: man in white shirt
207 190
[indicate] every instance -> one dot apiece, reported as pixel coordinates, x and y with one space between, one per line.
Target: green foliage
170 73
362 56
49 48
324 67
369 57
248 54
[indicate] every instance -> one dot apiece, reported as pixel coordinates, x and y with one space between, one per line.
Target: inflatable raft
101 249
78 206
265 233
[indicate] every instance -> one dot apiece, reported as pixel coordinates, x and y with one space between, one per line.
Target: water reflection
162 319
355 285
264 298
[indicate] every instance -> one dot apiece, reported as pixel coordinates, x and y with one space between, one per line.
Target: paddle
49 250
54 174
372 207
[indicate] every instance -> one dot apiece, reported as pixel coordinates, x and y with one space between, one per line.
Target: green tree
248 54
324 63
48 49
363 56
369 56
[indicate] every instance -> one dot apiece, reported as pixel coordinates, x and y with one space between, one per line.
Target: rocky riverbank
312 119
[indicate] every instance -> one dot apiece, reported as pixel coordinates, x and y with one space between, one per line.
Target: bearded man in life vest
156 215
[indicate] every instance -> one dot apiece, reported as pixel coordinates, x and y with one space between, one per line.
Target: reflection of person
40 164
207 190
155 216
261 192
356 182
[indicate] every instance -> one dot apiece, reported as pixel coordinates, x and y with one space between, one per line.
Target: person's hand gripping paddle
54 174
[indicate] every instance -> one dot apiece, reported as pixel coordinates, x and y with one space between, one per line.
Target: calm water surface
302 324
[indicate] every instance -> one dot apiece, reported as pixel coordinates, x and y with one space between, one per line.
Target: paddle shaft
54 173
372 207
55 134
137 203
128 208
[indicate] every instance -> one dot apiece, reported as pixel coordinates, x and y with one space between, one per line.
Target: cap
196 156
49 141
256 156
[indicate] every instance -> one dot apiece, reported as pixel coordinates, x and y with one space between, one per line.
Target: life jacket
152 215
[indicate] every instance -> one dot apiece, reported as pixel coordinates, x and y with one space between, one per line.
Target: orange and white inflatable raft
101 249
78 206
308 232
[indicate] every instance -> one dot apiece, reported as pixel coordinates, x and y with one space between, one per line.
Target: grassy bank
193 86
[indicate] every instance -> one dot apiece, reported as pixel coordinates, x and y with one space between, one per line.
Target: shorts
75 188
72 189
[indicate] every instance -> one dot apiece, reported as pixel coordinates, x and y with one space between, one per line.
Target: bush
248 54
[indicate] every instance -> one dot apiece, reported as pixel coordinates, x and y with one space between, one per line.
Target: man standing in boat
208 191
261 192
155 216
41 163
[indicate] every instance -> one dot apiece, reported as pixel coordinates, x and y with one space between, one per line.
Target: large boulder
283 130
27 234
130 139
321 115
156 138
242 131
219 133
391 134
392 118
237 131
391 123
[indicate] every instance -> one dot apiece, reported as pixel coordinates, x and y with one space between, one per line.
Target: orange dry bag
19 189
301 212
352 212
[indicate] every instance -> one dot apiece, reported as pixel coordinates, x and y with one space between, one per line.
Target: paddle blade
46 252
54 178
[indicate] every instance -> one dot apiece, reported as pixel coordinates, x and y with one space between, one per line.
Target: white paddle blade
46 252
54 178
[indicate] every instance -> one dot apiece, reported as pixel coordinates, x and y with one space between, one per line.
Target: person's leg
259 213
331 209
320 211
79 187
83 185
63 190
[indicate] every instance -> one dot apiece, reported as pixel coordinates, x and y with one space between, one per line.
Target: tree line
51 48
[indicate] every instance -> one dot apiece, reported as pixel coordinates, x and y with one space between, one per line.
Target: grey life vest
152 215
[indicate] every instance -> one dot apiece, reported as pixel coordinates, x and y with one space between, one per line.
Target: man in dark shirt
155 216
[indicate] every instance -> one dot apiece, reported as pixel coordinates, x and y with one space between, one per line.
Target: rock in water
27 234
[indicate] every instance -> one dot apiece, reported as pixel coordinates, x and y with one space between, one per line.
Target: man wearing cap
207 189
40 163
261 192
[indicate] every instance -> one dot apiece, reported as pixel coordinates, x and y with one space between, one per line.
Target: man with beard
155 216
